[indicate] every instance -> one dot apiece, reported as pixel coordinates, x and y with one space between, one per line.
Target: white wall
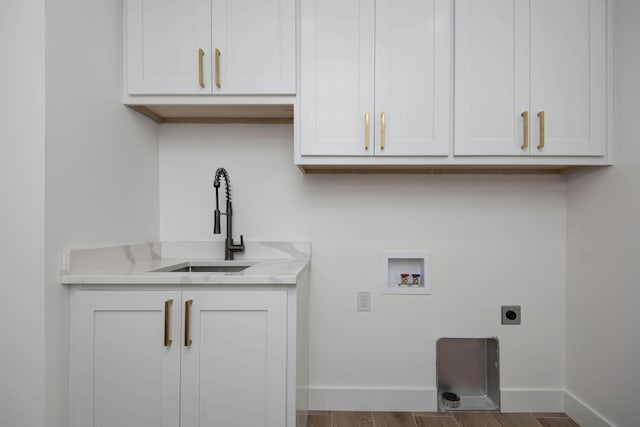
22 151
495 240
603 339
101 161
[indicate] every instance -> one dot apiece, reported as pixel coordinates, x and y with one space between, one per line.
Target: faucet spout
229 246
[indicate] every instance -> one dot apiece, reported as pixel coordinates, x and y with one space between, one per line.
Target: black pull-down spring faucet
229 246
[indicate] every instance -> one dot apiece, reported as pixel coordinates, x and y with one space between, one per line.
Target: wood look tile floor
437 419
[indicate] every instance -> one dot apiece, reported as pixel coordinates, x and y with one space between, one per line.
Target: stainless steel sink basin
205 267
209 269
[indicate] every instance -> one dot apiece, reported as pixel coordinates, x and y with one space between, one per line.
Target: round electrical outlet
511 315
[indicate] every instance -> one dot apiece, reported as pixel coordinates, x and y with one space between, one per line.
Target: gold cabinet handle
541 145
382 129
167 308
200 60
525 144
187 316
218 68
366 130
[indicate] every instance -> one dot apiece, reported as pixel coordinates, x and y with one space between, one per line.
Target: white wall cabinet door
163 38
234 370
569 77
337 72
530 56
413 77
122 374
255 40
363 59
491 76
257 44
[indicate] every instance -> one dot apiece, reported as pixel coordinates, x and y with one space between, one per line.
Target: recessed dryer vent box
469 369
406 273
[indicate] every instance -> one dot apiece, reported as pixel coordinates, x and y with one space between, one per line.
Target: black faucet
229 246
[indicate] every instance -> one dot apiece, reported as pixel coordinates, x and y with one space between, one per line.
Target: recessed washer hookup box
468 368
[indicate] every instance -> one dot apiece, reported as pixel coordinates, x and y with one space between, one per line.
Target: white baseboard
582 413
372 399
532 399
327 398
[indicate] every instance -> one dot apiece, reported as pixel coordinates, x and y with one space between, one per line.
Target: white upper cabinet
163 39
210 47
256 41
337 61
530 78
375 78
569 76
413 77
491 76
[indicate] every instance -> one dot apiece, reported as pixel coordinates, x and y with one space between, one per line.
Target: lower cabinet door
234 367
124 370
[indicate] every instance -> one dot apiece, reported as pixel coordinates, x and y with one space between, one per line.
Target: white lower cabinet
179 358
234 369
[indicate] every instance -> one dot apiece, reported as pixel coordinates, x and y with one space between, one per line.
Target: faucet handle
234 247
240 247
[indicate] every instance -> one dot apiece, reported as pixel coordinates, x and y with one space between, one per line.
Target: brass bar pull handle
541 145
382 129
167 307
525 144
200 60
366 130
218 68
187 316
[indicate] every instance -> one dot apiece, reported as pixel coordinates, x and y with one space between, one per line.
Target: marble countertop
272 263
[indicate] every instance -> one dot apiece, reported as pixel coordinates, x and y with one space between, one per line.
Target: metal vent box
468 367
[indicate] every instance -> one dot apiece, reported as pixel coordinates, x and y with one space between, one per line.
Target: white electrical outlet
364 301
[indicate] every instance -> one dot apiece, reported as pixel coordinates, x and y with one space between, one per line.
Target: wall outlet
510 314
364 301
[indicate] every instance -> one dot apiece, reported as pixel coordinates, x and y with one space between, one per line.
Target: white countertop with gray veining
271 263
